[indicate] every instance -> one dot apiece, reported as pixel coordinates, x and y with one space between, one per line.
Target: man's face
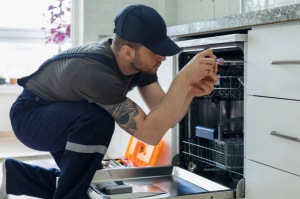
146 61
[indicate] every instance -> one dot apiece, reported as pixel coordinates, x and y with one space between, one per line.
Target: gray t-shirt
84 79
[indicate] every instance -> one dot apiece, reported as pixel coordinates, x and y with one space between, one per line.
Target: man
70 105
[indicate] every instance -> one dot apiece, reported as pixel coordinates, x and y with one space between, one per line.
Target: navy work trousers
77 135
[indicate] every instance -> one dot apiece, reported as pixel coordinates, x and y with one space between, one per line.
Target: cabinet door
265 115
278 43
263 182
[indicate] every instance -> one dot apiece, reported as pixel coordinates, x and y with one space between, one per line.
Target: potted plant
2 80
13 81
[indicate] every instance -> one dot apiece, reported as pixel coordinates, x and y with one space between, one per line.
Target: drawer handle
285 136
286 62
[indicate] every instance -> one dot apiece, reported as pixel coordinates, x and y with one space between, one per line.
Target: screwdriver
221 61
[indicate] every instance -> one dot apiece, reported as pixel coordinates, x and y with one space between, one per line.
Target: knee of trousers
96 128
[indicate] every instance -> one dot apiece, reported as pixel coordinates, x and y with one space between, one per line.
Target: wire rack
229 87
232 155
223 153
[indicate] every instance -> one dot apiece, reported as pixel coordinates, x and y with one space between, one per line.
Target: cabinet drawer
263 182
264 115
278 43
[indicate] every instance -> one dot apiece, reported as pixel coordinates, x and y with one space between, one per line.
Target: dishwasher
209 159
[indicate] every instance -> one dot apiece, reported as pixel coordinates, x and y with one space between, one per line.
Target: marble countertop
240 21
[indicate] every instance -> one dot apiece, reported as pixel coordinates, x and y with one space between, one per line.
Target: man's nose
161 58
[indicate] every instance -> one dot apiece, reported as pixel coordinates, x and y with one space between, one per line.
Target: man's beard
140 66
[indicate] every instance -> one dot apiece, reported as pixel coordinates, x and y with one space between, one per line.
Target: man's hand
206 85
199 66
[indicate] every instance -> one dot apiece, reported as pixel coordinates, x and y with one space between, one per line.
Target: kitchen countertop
239 21
8 89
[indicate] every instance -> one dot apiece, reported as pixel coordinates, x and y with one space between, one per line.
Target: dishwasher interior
211 135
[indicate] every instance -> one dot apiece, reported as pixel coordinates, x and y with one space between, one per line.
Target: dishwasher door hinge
240 189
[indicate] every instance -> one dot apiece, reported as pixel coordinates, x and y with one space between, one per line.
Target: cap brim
164 47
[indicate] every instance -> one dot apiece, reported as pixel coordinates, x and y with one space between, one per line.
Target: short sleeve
146 79
98 84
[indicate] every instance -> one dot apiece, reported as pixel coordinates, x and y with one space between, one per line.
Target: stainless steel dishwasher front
173 181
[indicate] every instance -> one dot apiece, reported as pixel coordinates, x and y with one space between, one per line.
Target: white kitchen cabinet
263 182
272 166
266 115
274 43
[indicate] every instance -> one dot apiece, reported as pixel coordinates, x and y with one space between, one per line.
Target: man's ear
128 53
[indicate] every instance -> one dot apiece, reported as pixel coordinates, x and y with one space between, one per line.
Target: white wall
170 12
99 16
196 10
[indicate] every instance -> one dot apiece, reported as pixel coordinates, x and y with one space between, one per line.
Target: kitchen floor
11 147
43 161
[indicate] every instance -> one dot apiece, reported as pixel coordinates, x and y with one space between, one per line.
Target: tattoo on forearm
124 114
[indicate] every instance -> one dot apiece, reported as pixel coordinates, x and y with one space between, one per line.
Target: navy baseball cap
142 24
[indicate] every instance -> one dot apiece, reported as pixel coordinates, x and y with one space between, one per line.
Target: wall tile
254 5
91 5
205 10
171 12
234 7
284 2
99 14
227 8
194 10
221 8
277 3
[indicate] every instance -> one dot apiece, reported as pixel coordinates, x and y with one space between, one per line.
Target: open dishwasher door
159 182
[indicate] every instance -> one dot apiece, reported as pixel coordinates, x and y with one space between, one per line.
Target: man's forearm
185 107
159 120
153 126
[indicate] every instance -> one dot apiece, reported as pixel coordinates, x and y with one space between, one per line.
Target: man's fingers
207 86
215 70
214 77
209 61
208 67
206 53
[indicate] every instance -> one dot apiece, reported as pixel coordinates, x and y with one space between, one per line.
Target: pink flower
51 7
58 38
53 30
52 20
60 4
48 40
68 31
59 29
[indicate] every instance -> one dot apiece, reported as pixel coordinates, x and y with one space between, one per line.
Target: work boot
3 194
